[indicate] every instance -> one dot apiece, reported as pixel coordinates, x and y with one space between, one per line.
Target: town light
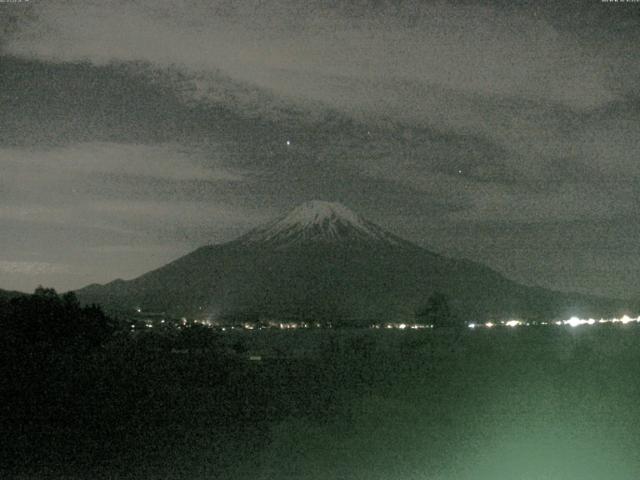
574 322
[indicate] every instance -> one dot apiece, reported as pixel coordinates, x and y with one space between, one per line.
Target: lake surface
502 403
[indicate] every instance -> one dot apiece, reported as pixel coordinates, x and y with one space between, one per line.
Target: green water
537 403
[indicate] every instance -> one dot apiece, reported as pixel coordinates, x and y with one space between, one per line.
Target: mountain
322 261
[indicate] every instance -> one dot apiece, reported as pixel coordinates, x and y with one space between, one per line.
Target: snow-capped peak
318 220
318 212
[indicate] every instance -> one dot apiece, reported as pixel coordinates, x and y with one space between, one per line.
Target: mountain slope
324 262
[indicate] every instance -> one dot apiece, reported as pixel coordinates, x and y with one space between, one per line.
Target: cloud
569 203
170 221
174 216
294 50
33 268
65 185
507 76
169 162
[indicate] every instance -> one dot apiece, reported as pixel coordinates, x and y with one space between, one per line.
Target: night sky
504 132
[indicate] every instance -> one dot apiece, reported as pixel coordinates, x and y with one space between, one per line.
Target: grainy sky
505 132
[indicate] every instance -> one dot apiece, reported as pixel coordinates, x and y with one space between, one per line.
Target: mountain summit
319 221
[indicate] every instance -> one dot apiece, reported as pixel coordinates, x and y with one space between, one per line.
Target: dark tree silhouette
437 312
46 320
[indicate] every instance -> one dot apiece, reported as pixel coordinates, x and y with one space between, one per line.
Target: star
288 143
